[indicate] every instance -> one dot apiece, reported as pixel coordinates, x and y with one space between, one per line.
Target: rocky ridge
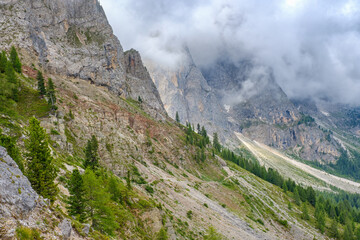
73 38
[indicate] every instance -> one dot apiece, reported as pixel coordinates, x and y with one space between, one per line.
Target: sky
312 46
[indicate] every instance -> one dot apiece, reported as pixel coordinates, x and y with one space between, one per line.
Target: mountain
150 177
185 91
262 111
75 38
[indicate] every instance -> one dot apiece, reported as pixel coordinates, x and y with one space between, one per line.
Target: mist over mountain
311 47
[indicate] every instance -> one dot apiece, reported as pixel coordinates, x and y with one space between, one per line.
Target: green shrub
149 189
24 233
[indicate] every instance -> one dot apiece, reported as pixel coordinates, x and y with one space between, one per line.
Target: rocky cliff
183 89
261 110
72 38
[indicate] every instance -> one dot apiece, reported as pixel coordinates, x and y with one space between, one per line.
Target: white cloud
313 47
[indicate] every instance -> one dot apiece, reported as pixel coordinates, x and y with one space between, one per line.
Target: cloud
313 47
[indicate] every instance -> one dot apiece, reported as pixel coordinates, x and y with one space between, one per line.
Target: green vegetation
40 170
177 118
91 154
76 202
41 83
14 59
11 148
306 119
51 94
24 233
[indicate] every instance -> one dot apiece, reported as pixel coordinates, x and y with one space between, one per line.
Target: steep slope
261 111
72 38
183 89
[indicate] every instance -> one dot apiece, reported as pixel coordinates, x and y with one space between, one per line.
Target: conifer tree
91 154
98 203
348 232
140 100
41 83
51 94
177 118
14 59
321 221
40 169
162 234
12 81
216 142
76 200
334 232
3 61
284 187
305 213
114 190
198 128
128 180
297 196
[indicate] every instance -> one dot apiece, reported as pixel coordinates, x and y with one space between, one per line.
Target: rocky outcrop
184 90
140 82
17 198
71 38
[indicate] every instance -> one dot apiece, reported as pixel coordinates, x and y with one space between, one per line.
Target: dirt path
330 179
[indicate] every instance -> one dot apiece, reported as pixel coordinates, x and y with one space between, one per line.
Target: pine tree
198 128
12 80
114 190
3 61
321 221
98 203
140 100
334 232
51 94
76 200
216 142
284 187
14 59
41 84
40 169
91 154
305 213
311 196
177 118
162 234
297 197
348 232
128 180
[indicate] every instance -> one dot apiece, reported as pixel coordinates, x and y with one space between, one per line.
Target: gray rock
262 111
17 198
185 90
65 228
74 38
86 229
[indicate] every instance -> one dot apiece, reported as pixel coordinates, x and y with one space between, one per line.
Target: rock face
17 198
262 111
185 90
73 38
140 81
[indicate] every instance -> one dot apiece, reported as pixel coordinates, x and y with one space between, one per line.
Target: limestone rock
73 38
17 197
65 228
185 90
86 229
